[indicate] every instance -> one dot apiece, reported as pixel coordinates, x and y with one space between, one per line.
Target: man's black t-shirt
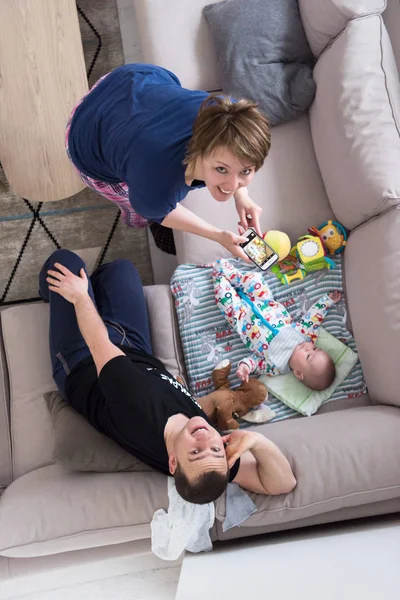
131 402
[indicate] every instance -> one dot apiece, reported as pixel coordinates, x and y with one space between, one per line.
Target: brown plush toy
225 405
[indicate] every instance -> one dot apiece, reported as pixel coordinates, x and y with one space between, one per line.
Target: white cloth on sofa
186 525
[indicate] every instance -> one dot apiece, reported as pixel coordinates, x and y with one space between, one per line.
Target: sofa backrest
323 20
355 121
175 35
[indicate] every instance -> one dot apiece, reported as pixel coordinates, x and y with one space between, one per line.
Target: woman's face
224 173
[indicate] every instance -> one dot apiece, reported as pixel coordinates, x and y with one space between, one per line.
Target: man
102 364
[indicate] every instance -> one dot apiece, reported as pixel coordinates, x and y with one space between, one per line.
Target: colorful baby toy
307 256
310 252
333 236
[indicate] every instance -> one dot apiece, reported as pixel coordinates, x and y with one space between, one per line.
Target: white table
360 561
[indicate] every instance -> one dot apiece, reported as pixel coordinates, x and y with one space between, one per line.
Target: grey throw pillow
263 55
80 447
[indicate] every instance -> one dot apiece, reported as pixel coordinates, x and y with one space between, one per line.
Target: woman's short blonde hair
239 126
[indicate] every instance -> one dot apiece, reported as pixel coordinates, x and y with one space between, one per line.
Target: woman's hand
69 286
238 442
231 242
249 212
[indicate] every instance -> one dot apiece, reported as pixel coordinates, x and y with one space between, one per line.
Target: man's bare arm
94 332
263 467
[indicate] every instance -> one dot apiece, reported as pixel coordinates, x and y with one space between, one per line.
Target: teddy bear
225 405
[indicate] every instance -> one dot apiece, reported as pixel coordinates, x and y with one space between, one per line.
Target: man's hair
322 379
206 488
239 126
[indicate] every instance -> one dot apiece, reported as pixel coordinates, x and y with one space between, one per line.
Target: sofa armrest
325 19
164 328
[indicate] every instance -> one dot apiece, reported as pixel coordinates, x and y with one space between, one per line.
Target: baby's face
307 358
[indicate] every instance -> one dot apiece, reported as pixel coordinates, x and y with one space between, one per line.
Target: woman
142 141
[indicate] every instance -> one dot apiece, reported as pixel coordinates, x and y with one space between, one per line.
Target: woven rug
86 220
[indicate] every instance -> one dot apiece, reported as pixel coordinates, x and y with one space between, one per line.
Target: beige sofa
342 159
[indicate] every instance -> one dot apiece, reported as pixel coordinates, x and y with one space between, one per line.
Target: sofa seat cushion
54 510
288 187
341 459
162 24
372 272
355 122
25 333
324 19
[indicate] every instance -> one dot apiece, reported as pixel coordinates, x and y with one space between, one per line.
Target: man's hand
335 296
231 242
249 212
238 443
243 372
69 286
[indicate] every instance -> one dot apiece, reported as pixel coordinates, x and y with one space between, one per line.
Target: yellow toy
311 254
279 242
307 256
333 236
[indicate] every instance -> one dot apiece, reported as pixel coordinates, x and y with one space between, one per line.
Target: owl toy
333 236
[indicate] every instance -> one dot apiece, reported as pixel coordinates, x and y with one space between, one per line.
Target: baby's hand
243 372
335 296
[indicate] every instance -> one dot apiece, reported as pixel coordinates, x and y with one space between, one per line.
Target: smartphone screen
258 250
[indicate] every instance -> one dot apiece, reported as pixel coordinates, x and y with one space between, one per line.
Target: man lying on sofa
103 366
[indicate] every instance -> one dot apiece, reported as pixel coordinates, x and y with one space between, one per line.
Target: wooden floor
152 585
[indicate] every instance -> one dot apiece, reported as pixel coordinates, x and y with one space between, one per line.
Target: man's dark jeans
117 292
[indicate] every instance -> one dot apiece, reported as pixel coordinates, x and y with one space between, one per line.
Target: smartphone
258 251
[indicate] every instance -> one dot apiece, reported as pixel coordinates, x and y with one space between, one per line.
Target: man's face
198 448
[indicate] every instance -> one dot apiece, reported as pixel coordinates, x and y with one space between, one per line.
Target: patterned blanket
207 338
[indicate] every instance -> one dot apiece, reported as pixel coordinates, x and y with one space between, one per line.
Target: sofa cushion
80 447
373 290
263 55
391 18
386 507
324 19
164 333
341 459
30 377
175 35
5 439
30 371
54 510
288 187
355 122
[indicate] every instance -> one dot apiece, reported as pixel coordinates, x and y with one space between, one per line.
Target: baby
276 342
